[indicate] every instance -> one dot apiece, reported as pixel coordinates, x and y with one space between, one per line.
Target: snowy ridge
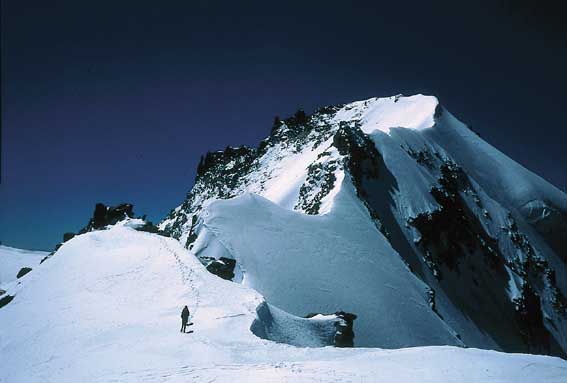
414 112
475 228
478 157
107 309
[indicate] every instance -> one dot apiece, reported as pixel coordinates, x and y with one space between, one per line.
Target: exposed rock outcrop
104 216
23 271
223 267
5 300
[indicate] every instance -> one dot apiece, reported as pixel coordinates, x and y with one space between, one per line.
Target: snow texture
106 306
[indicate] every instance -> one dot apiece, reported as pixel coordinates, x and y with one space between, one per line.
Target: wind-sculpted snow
105 308
481 235
293 260
414 112
277 325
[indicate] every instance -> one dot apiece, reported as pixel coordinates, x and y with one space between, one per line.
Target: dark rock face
455 247
344 328
438 112
23 271
215 162
320 176
68 236
5 300
291 130
218 175
109 215
192 237
453 231
2 292
362 159
223 174
530 319
103 216
363 162
222 267
345 333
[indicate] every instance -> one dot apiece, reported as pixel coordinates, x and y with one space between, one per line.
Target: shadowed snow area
279 326
328 263
106 308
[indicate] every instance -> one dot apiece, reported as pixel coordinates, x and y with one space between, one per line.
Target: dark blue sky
115 101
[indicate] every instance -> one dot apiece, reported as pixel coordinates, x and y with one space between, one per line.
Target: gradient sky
116 101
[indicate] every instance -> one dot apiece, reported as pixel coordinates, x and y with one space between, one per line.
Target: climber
184 318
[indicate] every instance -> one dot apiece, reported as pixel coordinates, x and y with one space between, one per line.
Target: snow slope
293 260
13 260
326 211
106 308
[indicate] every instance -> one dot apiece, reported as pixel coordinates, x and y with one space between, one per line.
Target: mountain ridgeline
392 209
379 224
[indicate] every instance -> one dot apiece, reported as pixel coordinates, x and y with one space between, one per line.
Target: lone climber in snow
184 318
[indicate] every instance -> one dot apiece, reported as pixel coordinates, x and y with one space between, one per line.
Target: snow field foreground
105 308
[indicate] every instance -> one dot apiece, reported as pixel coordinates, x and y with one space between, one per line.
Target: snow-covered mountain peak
405 198
381 223
412 112
300 165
